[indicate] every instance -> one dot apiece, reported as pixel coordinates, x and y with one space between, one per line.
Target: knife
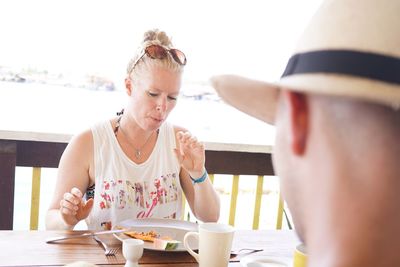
91 234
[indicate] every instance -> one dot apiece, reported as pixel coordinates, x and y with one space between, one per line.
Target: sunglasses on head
160 52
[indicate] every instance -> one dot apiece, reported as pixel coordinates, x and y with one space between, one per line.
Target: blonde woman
136 165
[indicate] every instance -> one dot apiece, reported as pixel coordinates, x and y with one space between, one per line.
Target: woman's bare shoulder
78 155
81 144
83 137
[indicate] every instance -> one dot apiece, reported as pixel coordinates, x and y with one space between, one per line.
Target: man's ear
128 86
299 120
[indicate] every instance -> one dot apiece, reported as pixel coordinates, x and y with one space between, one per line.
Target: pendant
138 153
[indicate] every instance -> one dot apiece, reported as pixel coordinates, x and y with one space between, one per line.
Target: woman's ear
128 86
299 121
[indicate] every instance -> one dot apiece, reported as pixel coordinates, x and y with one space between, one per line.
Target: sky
253 38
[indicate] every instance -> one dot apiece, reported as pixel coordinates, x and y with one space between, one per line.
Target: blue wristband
201 179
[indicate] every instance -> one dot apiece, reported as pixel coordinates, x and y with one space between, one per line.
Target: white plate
264 261
176 229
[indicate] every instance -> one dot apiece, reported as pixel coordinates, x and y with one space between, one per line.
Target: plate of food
158 234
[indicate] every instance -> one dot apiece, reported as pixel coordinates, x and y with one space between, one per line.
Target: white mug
215 243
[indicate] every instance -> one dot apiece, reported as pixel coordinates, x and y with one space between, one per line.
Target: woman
136 165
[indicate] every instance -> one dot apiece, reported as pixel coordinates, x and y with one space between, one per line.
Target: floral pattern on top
144 196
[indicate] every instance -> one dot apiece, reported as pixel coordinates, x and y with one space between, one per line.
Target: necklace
138 151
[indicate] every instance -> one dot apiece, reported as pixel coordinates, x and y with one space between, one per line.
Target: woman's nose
161 105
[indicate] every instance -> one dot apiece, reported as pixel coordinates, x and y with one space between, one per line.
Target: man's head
336 111
328 149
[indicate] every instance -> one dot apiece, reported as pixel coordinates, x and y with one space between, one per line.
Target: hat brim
256 98
259 99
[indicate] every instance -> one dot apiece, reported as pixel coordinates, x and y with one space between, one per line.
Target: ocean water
58 109
68 110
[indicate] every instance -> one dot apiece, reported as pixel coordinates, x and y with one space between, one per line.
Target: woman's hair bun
157 36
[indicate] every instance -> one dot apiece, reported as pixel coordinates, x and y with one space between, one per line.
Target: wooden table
28 248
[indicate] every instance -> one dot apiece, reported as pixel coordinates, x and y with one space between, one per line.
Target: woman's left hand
190 153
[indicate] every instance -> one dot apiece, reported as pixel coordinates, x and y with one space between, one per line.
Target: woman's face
152 96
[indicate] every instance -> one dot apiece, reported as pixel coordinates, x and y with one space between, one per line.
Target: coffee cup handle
185 243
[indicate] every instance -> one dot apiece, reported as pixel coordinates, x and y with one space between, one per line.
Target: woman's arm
67 207
202 197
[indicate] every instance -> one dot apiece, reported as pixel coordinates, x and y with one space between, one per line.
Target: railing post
279 217
257 204
211 176
35 198
8 162
234 195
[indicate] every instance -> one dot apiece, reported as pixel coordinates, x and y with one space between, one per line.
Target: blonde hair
153 37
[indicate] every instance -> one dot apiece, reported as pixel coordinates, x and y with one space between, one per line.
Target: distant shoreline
57 109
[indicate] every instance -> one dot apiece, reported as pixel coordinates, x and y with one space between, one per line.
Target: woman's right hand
73 208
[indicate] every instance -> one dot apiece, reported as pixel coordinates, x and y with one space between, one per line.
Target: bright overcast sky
250 38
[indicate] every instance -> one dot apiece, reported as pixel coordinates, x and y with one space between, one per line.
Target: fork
107 250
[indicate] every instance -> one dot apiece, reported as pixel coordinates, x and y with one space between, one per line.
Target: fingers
187 141
69 205
190 152
87 207
76 192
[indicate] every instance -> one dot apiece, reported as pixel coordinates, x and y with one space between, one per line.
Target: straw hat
350 48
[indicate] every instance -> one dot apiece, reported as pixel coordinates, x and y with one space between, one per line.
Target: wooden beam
39 154
239 163
8 150
48 154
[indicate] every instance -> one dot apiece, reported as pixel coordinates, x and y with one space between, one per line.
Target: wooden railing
39 150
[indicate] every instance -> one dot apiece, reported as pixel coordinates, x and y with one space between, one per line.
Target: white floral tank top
127 190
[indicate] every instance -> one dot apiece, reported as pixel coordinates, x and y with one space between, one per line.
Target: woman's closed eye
152 94
170 97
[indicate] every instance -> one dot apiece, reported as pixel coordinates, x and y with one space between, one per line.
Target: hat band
355 63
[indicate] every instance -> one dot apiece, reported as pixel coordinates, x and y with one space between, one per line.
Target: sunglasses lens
178 56
156 51
159 52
